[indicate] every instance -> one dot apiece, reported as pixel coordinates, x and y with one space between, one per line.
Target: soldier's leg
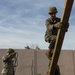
50 51
13 72
7 74
48 54
4 74
57 71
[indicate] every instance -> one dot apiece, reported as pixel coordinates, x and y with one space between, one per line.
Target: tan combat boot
48 54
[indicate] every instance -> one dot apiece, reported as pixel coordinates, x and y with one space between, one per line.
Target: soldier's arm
49 26
59 24
12 55
49 29
6 58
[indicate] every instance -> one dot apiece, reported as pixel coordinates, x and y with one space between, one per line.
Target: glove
58 25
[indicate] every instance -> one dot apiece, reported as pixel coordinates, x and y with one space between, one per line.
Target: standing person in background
9 62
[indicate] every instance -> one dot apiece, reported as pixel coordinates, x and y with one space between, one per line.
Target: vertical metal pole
35 62
32 68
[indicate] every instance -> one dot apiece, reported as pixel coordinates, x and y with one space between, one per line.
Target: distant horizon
34 49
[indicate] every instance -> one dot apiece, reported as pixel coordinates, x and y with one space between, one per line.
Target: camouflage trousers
7 74
52 44
51 48
57 71
49 53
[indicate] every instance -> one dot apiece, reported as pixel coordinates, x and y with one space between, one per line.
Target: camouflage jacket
8 65
51 31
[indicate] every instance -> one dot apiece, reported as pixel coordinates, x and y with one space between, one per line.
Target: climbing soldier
9 62
52 25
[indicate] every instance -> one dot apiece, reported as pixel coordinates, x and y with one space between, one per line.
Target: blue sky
22 23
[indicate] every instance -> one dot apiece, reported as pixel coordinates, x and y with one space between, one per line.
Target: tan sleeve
5 58
49 26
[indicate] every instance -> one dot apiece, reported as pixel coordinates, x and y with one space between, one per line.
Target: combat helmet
10 50
52 9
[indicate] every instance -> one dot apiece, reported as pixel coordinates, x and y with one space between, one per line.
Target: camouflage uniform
50 35
8 64
51 32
